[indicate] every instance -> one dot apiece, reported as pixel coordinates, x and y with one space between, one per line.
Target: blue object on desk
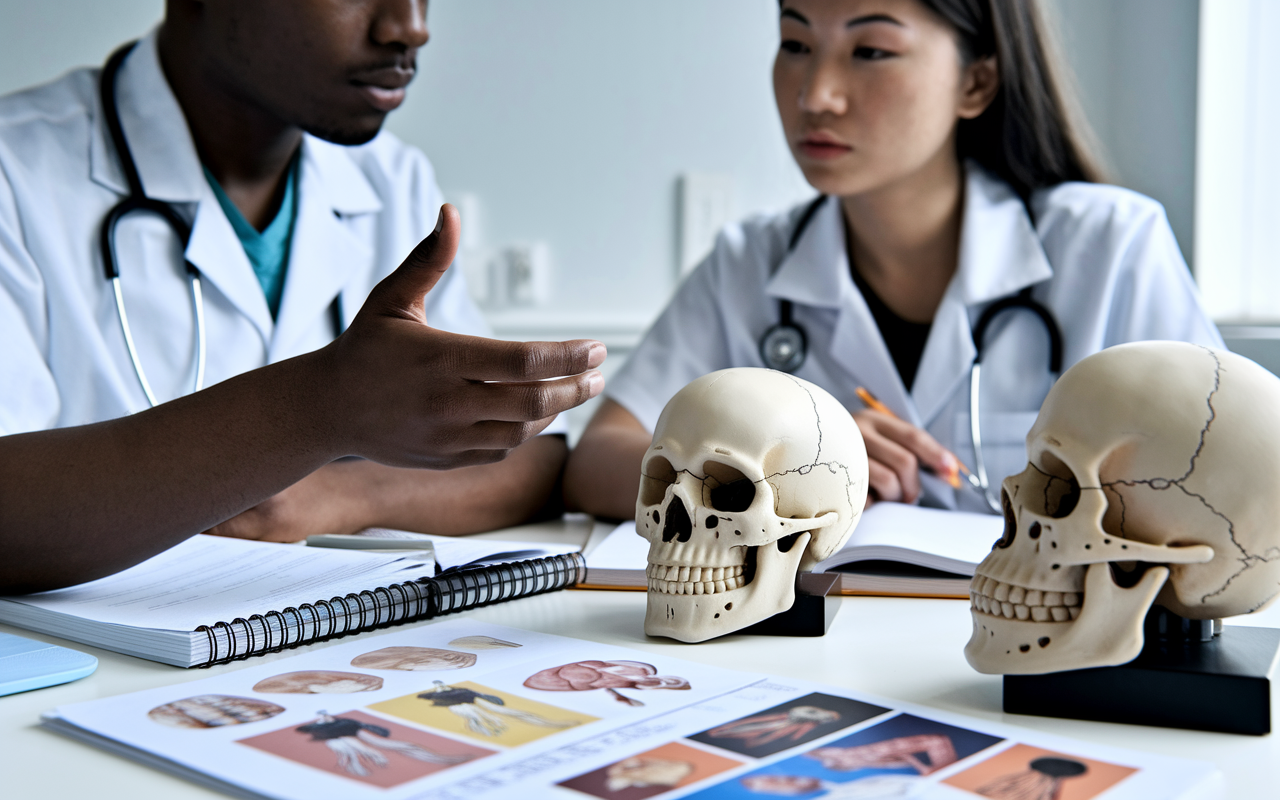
27 664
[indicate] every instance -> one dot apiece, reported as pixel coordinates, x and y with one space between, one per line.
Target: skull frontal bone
1140 489
736 496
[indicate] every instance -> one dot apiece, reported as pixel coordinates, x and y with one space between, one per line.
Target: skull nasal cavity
1010 522
678 525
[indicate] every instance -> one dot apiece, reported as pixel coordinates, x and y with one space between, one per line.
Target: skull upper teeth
678 579
1000 599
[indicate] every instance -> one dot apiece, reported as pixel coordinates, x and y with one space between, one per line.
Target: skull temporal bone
1151 478
752 475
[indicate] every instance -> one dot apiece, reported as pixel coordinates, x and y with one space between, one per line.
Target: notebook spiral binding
399 603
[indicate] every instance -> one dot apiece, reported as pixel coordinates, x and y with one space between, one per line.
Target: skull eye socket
728 488
657 475
1054 491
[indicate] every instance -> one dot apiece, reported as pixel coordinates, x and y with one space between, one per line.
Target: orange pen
952 477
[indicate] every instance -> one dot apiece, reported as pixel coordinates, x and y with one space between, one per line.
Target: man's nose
402 22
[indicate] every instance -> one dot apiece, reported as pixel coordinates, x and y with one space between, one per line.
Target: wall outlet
706 204
512 276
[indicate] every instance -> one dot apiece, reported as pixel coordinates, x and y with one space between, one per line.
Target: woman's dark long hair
1032 135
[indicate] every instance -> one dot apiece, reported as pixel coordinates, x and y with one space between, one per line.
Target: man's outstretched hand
409 395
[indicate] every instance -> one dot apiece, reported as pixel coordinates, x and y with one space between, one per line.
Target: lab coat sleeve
29 397
688 340
1154 296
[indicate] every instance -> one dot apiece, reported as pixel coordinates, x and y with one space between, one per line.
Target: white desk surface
900 648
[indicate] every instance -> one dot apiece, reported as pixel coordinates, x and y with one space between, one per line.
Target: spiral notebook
210 599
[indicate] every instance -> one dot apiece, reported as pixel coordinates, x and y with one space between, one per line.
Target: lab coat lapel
1000 254
170 169
325 252
816 273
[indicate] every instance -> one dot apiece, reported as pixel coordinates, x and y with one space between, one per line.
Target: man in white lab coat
259 123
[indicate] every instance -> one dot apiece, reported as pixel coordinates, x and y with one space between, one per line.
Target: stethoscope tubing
138 202
783 346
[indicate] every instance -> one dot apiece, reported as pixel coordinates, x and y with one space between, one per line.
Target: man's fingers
533 401
401 293
495 360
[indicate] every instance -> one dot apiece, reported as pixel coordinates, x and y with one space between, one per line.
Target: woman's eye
870 53
793 47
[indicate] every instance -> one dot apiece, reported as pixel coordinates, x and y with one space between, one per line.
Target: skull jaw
1108 631
699 617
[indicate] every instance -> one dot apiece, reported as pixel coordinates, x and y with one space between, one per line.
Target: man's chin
349 134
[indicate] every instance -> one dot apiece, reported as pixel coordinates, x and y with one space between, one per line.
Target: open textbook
464 710
896 549
212 599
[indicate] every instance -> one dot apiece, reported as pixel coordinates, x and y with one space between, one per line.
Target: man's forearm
522 487
80 503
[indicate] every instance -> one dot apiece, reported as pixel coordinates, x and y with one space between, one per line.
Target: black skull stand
817 601
1190 674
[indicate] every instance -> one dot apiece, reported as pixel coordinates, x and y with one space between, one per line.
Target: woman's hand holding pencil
898 450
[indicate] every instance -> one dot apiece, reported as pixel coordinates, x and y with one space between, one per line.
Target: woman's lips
823 149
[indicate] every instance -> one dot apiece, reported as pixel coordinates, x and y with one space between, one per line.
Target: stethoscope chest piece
783 347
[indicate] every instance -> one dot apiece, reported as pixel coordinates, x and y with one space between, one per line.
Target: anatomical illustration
1151 480
415 659
875 786
791 726
643 773
318 682
1024 772
797 721
213 711
485 714
925 753
1042 780
481 643
752 475
358 745
587 676
651 773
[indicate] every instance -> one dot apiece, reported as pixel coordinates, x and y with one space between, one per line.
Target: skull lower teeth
1007 600
676 579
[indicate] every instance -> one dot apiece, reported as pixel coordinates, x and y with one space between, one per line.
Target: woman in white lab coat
953 177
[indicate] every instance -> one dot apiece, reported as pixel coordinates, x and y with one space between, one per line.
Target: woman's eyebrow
793 14
869 18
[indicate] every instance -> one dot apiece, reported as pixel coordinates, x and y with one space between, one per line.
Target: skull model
1153 477
752 475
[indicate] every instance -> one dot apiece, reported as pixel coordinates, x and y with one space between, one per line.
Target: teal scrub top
268 250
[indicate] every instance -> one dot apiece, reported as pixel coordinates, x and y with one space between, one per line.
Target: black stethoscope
784 345
139 202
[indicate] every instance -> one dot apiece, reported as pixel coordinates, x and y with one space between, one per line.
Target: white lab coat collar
331 188
1000 254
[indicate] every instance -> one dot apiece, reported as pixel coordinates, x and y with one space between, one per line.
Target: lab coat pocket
1004 442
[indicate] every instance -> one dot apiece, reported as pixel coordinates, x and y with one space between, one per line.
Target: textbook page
952 541
462 710
211 578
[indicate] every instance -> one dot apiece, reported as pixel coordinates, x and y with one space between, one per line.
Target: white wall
41 39
570 121
1135 62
